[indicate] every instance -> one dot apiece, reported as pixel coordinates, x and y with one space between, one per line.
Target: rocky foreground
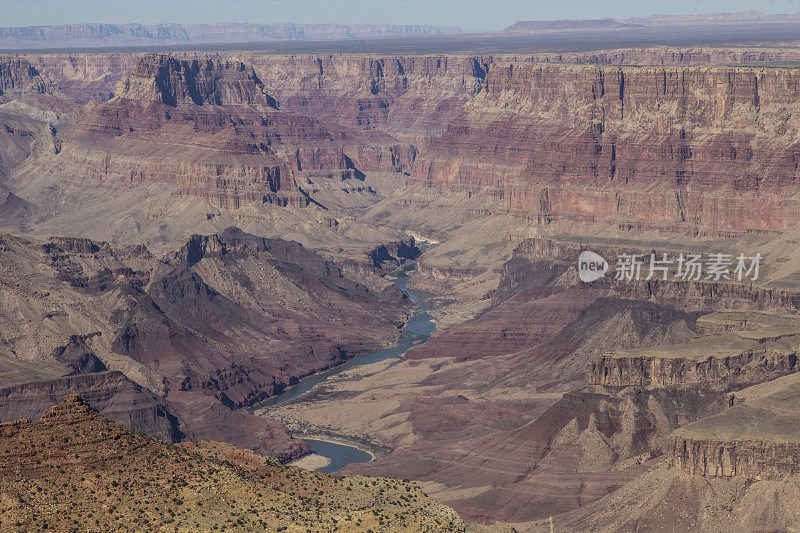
73 469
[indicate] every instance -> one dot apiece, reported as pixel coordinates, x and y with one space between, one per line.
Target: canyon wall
84 77
162 78
19 76
234 146
750 459
411 98
682 149
753 365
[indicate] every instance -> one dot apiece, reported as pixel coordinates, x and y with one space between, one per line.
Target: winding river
416 331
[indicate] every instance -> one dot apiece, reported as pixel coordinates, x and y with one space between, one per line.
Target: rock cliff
411 98
172 81
18 76
756 459
756 437
233 146
714 362
677 149
135 137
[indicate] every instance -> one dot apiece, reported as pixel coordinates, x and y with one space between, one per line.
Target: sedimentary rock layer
741 365
411 98
754 459
211 129
680 149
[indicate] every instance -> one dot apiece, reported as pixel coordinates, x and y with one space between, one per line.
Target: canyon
188 234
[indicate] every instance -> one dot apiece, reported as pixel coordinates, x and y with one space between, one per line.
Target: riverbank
312 462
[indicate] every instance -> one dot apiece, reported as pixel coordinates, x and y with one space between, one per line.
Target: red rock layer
411 98
209 128
671 148
128 142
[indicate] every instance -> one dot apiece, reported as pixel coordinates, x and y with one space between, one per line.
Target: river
416 331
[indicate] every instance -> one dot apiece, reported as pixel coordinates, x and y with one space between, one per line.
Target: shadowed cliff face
18 76
176 82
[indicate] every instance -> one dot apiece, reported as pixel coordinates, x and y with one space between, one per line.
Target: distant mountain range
704 19
590 24
100 35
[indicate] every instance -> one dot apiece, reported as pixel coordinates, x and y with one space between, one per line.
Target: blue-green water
339 454
417 331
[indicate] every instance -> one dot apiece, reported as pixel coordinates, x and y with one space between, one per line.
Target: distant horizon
468 15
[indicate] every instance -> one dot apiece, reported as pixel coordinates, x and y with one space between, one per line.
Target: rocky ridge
59 470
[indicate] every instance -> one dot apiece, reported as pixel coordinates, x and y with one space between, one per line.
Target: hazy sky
471 15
